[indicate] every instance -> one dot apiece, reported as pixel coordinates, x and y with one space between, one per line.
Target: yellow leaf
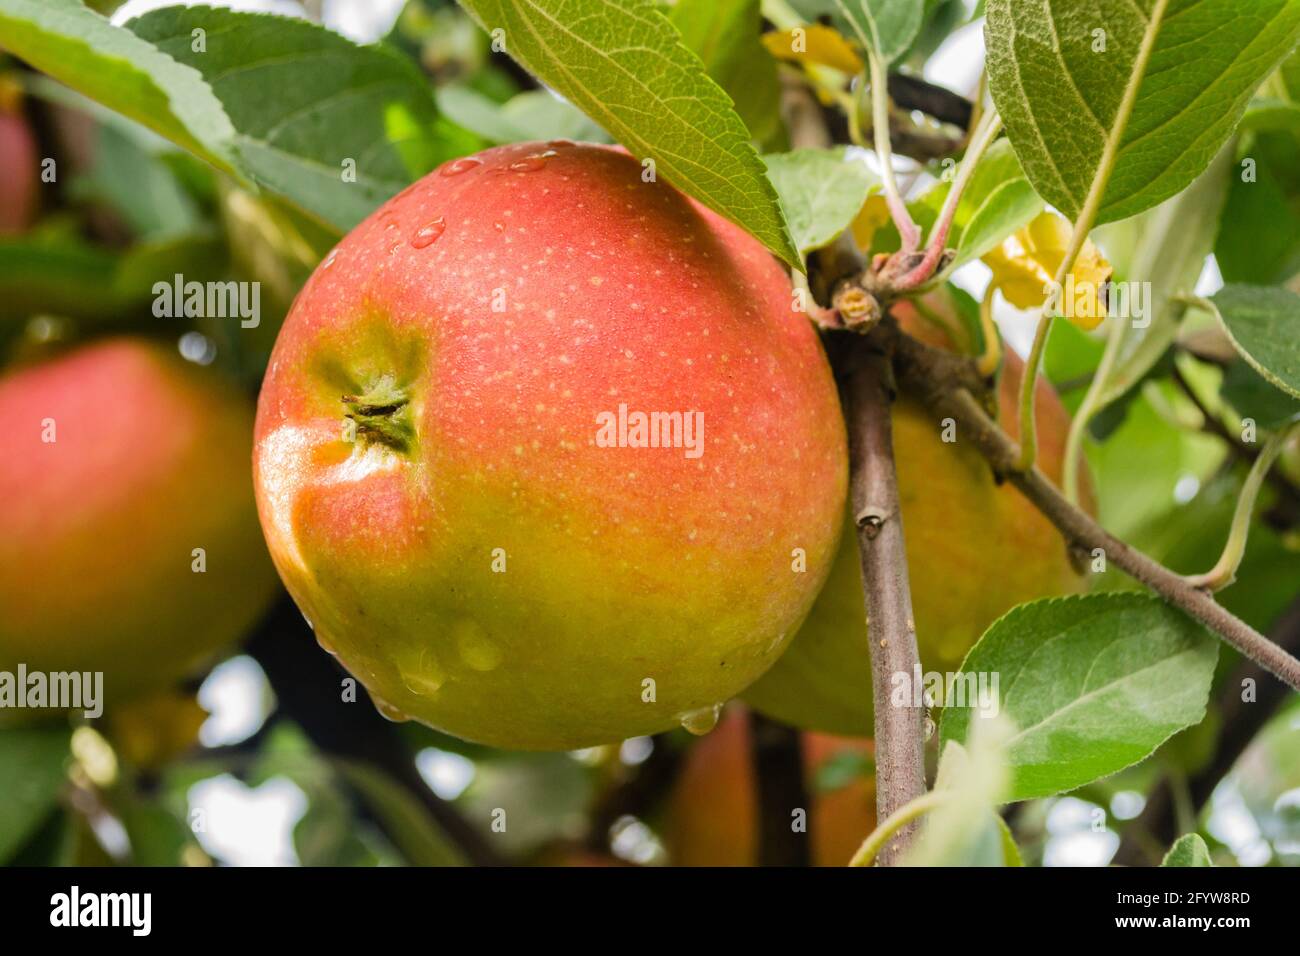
1025 265
150 731
873 216
814 43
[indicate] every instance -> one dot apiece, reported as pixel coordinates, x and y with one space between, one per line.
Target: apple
975 549
712 812
129 541
451 462
19 173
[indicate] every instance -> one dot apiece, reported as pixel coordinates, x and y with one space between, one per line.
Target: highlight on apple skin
450 462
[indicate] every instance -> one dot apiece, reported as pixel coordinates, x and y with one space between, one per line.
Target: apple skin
712 813
97 528
974 551
19 178
621 565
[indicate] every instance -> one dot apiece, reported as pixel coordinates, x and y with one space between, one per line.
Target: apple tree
686 432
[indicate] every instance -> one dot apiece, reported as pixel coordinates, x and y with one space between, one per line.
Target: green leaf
1010 852
408 824
139 185
1166 249
479 113
1138 466
61 840
334 103
1259 236
72 279
1093 684
1267 114
997 201
537 114
844 768
625 66
158 837
1188 537
821 191
886 26
534 114
1263 323
327 834
82 49
1253 396
539 792
32 768
1192 66
1290 75
965 831
1188 850
942 17
133 169
333 100
724 35
1071 357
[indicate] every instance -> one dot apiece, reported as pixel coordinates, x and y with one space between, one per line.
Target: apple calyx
382 414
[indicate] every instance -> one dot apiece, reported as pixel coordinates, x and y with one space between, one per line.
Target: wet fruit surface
456 489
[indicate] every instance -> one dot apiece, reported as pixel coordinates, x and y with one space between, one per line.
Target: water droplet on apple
428 234
476 649
533 163
389 712
700 722
329 260
561 143
310 625
424 677
458 166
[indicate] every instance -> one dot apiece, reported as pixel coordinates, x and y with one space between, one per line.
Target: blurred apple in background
712 815
129 541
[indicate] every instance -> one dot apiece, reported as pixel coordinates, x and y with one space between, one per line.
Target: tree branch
913 93
778 770
866 382
920 371
803 115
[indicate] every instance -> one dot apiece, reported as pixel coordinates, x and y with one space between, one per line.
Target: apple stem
382 414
